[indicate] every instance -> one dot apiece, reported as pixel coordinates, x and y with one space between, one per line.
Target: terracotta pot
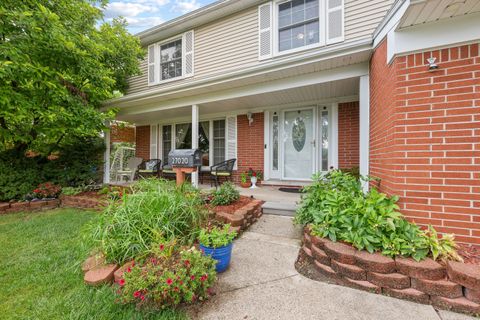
245 184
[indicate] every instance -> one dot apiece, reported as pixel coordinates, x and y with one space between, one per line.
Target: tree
57 66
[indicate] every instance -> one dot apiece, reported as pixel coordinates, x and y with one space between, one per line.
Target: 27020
180 161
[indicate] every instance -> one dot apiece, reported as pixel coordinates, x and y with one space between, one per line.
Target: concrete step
279 208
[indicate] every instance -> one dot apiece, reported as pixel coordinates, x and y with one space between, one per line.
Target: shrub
336 208
225 195
170 276
47 190
71 191
155 208
78 163
216 237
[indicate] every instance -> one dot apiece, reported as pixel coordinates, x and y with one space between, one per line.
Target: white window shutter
265 31
188 43
335 21
152 64
231 139
154 141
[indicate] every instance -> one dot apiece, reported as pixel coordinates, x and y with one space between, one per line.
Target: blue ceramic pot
222 255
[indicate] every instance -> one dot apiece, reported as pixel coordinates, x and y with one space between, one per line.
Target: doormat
290 190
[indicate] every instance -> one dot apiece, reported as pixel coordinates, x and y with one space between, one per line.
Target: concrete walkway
262 283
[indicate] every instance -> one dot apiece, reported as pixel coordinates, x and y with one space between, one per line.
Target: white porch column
364 100
195 139
106 159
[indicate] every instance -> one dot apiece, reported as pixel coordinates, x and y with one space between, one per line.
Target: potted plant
253 178
244 183
217 242
259 177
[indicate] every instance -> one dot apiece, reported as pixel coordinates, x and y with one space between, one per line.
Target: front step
279 208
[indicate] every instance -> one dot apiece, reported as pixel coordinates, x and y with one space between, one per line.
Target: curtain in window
204 142
183 136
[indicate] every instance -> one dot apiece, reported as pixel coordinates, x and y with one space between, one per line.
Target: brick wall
142 142
348 135
250 142
429 154
122 134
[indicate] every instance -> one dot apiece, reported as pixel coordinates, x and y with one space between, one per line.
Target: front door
298 144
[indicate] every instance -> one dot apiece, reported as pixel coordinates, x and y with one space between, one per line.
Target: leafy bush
216 237
225 195
155 209
71 191
47 190
336 208
171 276
79 163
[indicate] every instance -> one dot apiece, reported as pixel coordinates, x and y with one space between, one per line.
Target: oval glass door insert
299 134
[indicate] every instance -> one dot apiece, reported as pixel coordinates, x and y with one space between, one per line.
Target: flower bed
453 285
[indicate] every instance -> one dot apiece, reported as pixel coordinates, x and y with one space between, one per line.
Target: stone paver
262 283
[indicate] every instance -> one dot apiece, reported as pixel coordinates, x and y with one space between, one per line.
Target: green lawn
40 276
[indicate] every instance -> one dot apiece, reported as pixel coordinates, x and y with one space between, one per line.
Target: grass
40 273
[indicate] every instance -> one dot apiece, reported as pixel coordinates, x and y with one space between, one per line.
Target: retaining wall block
340 252
468 275
374 262
362 285
443 288
407 294
425 269
459 304
389 280
348 270
320 255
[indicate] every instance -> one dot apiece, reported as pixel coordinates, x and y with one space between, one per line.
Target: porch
286 129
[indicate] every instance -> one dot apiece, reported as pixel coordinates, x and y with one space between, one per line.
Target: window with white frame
171 59
298 24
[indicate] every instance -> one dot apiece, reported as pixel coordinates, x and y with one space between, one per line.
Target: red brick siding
122 134
431 159
348 135
142 142
250 142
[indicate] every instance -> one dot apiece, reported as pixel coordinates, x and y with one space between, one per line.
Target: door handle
313 143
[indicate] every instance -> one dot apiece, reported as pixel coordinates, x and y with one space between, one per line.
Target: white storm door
298 144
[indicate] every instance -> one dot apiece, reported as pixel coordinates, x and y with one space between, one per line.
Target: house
293 87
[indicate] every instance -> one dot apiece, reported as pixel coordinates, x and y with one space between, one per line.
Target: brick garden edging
455 286
13 207
82 202
243 217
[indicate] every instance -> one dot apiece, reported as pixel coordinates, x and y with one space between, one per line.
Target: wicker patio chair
149 168
222 170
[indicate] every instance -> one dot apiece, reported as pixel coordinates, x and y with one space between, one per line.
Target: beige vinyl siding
363 16
232 43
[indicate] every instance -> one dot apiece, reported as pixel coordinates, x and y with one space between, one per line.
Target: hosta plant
336 207
170 276
216 237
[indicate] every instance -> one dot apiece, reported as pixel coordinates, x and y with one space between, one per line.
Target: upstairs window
171 59
298 24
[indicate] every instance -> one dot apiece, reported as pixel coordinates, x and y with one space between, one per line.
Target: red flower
137 294
192 278
162 247
142 297
181 282
121 282
169 281
187 263
129 270
254 174
204 277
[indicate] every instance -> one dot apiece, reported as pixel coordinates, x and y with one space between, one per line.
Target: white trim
106 157
333 151
195 127
364 102
345 49
390 21
324 76
266 145
321 30
443 33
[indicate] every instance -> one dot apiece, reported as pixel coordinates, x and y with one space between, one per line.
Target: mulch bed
231 208
469 253
91 194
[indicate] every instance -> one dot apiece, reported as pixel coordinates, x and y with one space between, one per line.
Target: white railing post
106 168
195 140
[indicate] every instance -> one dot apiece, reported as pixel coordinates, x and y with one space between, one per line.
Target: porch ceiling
425 11
345 89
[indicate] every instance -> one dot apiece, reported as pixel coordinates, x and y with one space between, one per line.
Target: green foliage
171 276
78 164
336 208
47 190
155 209
57 67
71 191
226 194
216 237
243 177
